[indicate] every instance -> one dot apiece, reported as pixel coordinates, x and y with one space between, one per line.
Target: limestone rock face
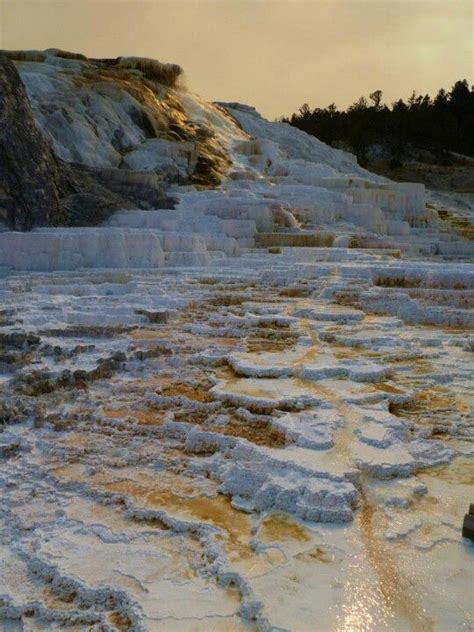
118 133
123 113
32 180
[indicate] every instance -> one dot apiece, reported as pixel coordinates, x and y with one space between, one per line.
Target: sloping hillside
126 134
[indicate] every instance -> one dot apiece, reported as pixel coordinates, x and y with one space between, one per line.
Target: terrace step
298 240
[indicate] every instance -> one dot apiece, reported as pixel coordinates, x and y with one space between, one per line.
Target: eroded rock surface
31 178
204 458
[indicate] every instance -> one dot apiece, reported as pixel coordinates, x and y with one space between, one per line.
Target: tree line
442 124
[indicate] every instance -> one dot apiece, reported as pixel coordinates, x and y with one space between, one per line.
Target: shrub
64 54
24 55
168 74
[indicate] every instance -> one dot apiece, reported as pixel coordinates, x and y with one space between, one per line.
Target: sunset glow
275 55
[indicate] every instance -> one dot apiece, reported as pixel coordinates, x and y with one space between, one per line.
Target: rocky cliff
32 180
81 138
84 138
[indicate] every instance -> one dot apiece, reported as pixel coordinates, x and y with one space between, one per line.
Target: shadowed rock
31 180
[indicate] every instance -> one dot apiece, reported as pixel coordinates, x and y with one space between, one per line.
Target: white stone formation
280 181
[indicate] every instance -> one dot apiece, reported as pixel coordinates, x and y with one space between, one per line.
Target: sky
272 54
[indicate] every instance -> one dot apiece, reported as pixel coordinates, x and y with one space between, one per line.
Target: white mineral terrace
237 447
203 435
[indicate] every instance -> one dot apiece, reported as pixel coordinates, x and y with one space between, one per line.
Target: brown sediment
316 554
397 590
258 433
197 393
146 334
459 224
347 298
392 281
342 352
422 367
226 300
208 281
215 510
73 471
257 344
131 488
144 417
141 385
429 404
233 593
120 621
416 365
279 526
270 340
386 388
53 602
295 292
178 497
226 341
459 472
191 416
79 439
457 329
295 239
275 326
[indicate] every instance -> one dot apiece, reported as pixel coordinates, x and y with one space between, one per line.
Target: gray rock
32 182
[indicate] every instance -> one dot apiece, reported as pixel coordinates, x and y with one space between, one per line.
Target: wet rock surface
152 460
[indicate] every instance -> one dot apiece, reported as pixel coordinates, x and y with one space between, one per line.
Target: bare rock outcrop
39 189
32 182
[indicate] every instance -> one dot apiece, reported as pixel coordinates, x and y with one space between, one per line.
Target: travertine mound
126 135
82 137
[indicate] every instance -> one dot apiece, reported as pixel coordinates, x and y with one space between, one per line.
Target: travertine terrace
249 412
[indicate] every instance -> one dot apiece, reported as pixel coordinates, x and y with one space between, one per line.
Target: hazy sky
273 54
